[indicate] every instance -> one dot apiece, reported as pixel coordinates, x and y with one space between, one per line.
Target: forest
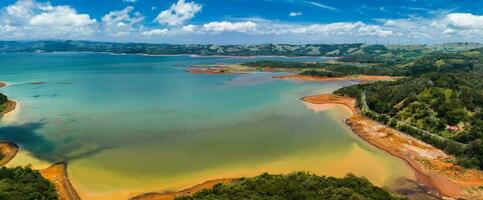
3 100
440 102
24 183
295 186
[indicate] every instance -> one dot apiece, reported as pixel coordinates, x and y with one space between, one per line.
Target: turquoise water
127 124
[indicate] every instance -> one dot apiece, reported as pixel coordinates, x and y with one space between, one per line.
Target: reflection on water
132 124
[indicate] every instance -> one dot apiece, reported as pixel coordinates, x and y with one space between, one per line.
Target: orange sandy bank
9 107
188 191
432 166
3 84
361 78
9 150
57 175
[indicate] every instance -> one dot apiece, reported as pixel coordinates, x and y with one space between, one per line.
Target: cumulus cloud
178 13
446 25
122 22
130 1
295 14
32 19
460 23
274 28
155 32
216 27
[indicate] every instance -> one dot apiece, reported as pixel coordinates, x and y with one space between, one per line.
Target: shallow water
131 124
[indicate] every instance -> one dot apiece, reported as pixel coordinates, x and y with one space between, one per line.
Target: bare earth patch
57 175
9 150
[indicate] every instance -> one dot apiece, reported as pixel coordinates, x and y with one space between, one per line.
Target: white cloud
216 27
130 1
29 19
121 22
445 25
155 32
178 13
295 14
277 28
465 24
61 16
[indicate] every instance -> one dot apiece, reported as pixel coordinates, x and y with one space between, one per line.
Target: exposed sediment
188 191
57 175
8 150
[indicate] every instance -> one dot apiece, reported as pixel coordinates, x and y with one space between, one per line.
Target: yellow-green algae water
132 124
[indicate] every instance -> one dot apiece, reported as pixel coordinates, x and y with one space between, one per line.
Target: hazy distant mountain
230 50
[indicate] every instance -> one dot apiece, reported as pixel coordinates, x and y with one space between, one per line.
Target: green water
131 124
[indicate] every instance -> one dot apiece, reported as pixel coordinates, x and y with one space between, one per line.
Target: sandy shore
9 150
188 191
432 166
360 78
3 84
9 107
57 175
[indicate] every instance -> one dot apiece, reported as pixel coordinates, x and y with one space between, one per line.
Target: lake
128 124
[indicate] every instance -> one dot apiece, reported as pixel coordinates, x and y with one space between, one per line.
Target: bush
3 99
23 183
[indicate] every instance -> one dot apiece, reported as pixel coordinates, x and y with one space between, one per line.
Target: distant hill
357 50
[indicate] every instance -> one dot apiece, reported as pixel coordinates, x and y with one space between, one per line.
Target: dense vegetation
440 103
469 61
3 100
23 183
295 186
330 69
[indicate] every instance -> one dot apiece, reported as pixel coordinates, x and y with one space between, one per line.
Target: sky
244 21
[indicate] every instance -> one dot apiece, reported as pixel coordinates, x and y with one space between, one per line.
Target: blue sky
244 21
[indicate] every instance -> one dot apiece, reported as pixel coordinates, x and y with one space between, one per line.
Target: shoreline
56 174
431 165
211 71
359 78
170 195
10 106
9 151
